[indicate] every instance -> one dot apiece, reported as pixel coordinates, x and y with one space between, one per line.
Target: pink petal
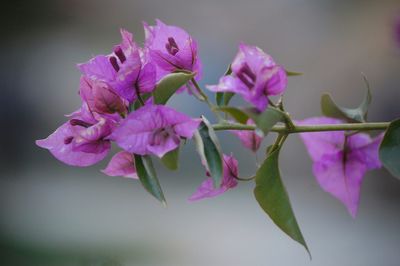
186 129
368 153
55 143
343 181
249 138
147 78
169 144
277 83
121 164
98 68
207 189
229 84
157 37
142 132
321 143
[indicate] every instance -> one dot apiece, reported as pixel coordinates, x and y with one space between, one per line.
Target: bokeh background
53 214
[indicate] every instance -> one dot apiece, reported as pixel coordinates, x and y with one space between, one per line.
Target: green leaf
171 159
238 114
272 196
169 84
267 119
219 98
359 114
227 97
209 149
148 177
228 70
138 104
389 151
292 73
223 98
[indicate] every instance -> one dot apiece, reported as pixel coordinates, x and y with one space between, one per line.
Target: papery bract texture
255 76
249 138
101 98
171 48
82 141
126 70
339 161
207 189
154 129
121 164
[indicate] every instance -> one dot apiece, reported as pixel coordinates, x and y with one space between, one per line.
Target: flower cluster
109 87
121 104
124 96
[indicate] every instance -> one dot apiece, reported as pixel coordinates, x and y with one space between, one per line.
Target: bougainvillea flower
154 129
249 138
126 70
80 141
171 48
100 97
121 164
207 189
340 161
255 76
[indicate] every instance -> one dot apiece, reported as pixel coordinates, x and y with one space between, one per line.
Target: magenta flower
126 70
255 76
82 141
249 138
101 98
121 164
171 48
207 189
341 162
154 129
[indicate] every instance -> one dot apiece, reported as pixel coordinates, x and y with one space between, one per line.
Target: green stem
200 91
278 142
205 97
140 100
244 178
308 128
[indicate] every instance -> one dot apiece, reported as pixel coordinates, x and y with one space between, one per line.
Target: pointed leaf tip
359 114
148 177
293 73
272 196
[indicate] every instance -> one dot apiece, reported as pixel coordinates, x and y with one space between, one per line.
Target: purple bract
121 164
249 138
207 189
171 48
126 70
82 141
154 129
255 76
340 161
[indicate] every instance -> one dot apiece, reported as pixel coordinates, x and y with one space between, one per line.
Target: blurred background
53 214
